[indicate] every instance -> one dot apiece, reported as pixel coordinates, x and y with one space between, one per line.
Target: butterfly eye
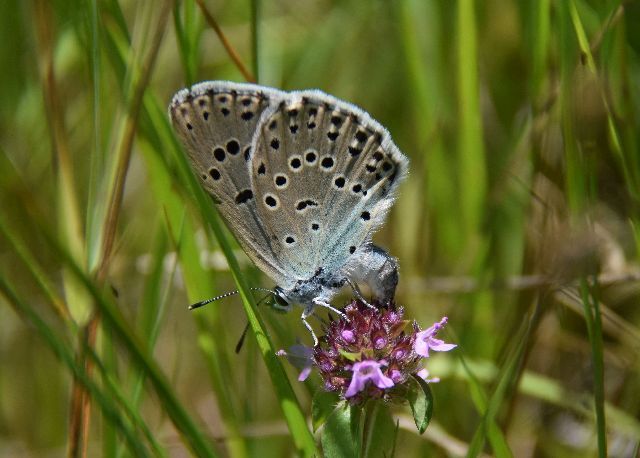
280 304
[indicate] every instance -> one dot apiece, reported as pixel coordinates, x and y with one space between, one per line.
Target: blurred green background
519 221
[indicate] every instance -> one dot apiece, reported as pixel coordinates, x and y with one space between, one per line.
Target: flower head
369 353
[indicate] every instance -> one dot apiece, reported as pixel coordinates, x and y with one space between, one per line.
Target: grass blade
65 355
593 320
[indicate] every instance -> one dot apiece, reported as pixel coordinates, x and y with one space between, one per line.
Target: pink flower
348 335
369 353
426 340
424 375
301 357
365 371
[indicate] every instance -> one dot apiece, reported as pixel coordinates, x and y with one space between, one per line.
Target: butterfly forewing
323 174
216 122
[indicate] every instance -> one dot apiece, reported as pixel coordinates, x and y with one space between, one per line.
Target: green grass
519 221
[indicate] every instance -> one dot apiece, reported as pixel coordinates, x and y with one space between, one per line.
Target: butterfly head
281 302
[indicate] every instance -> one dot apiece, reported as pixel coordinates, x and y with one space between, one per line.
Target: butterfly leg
305 314
324 304
378 269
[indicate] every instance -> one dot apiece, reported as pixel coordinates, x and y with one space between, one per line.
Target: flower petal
441 346
301 357
363 371
426 340
424 375
382 381
304 374
348 335
421 344
356 385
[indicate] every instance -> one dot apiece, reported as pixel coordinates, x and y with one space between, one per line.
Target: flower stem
370 411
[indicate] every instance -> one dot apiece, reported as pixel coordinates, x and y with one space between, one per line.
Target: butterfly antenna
222 296
266 290
207 301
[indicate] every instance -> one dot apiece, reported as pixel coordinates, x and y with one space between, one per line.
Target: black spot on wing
233 147
244 196
333 135
219 154
303 204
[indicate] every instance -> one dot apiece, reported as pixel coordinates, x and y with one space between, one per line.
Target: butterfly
302 179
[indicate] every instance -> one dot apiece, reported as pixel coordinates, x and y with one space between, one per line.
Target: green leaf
322 405
350 356
341 433
421 402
